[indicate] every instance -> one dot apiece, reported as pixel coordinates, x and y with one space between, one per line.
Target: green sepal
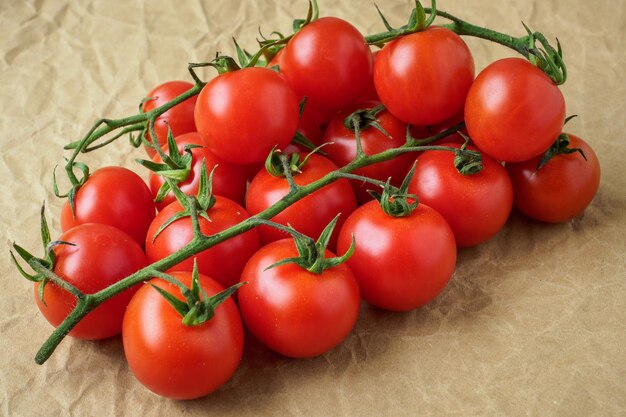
203 201
76 183
311 254
417 22
199 307
47 262
395 201
178 305
559 147
467 162
364 118
312 15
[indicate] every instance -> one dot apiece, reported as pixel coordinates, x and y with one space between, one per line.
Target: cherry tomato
115 196
293 311
175 360
423 78
561 189
400 263
342 149
101 256
224 261
475 206
329 62
179 118
370 93
229 180
514 111
309 215
245 113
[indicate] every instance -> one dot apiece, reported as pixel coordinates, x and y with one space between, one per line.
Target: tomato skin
229 180
559 191
475 206
117 255
178 361
400 263
179 118
293 311
115 196
342 149
423 78
329 62
224 261
514 111
310 214
245 113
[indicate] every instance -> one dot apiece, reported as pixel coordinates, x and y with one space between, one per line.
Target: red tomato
329 62
223 262
514 111
175 360
561 189
245 113
293 311
309 215
343 149
102 256
475 206
423 78
229 180
115 196
400 263
179 118
370 93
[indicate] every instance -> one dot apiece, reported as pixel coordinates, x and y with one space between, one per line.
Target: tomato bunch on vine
326 168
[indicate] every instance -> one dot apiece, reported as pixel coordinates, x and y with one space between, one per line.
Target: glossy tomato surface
400 263
514 111
175 360
101 255
423 78
329 62
245 113
115 196
475 206
229 180
224 261
179 118
293 311
342 149
309 215
561 189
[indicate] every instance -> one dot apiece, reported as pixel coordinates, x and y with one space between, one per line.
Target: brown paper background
532 322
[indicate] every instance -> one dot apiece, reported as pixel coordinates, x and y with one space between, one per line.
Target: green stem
461 27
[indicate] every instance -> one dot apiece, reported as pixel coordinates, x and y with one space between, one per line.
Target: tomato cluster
387 234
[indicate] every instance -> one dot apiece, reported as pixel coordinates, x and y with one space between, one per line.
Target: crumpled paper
532 322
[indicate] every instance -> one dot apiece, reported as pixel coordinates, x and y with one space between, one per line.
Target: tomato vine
106 131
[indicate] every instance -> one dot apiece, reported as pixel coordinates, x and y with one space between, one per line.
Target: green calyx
419 20
198 307
192 206
176 165
397 202
76 182
466 161
43 267
311 254
546 57
278 164
271 46
559 147
363 119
